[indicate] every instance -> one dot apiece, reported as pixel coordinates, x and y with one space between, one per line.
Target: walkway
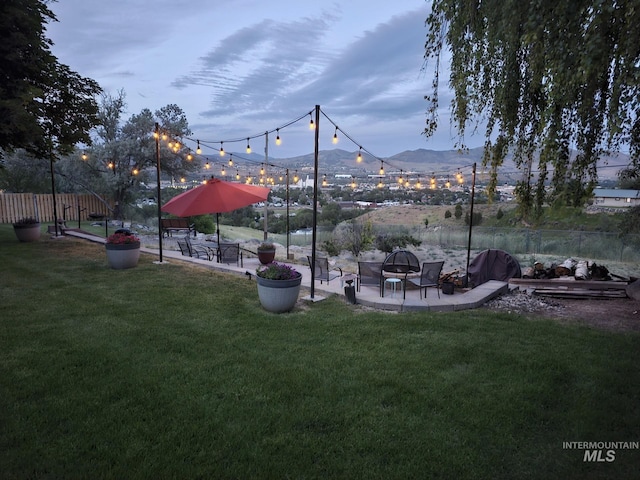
461 299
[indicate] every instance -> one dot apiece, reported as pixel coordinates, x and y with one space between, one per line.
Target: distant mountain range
422 161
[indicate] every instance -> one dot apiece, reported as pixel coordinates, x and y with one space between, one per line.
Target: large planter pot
123 256
278 296
28 232
266 256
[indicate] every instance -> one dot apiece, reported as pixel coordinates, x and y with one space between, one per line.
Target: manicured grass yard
175 371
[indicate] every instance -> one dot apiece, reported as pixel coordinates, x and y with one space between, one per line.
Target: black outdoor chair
194 250
429 277
369 273
322 271
230 253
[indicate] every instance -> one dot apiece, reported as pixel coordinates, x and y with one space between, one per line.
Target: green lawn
175 371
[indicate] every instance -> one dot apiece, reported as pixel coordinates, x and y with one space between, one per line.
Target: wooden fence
70 206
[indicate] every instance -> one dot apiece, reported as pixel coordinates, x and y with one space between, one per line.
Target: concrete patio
369 296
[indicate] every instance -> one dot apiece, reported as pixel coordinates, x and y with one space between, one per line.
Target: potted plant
27 229
278 286
266 252
123 250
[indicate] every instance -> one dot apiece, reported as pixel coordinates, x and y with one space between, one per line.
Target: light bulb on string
183 180
353 182
84 156
359 159
418 185
248 146
170 144
380 185
432 182
278 141
135 171
400 179
207 166
189 156
312 126
381 168
448 183
237 175
262 170
221 149
324 180
295 177
335 136
198 149
164 137
223 172
231 159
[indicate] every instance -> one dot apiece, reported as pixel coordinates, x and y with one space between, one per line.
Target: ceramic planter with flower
266 252
278 286
123 250
27 229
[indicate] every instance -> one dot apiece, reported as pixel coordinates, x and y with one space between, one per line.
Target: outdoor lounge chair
321 271
369 273
230 253
194 250
429 277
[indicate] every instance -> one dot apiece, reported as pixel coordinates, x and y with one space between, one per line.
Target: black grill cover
493 265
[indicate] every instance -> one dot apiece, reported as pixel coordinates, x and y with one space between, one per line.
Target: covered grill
400 264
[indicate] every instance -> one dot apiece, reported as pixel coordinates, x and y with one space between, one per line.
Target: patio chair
194 250
321 270
429 277
230 253
369 273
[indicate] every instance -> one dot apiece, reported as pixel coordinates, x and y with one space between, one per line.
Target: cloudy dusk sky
241 68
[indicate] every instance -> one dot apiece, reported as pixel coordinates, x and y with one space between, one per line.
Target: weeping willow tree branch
545 78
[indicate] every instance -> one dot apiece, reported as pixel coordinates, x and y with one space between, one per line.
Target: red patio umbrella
215 196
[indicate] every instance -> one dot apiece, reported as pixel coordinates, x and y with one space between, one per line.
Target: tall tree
45 107
123 156
548 78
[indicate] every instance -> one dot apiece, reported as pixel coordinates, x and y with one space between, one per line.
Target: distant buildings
615 198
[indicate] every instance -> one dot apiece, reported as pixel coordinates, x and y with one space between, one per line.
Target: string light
295 177
222 172
335 136
248 146
183 180
189 156
312 126
418 185
359 159
448 184
324 180
278 141
380 185
207 166
164 137
198 149
353 182
111 165
135 171
221 149
237 175
400 179
432 182
84 156
262 170
381 167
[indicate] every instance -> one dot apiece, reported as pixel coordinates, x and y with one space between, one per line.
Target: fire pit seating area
402 265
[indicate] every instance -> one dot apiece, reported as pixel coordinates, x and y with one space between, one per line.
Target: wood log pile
572 279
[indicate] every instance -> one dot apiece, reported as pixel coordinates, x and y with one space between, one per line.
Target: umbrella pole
218 227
